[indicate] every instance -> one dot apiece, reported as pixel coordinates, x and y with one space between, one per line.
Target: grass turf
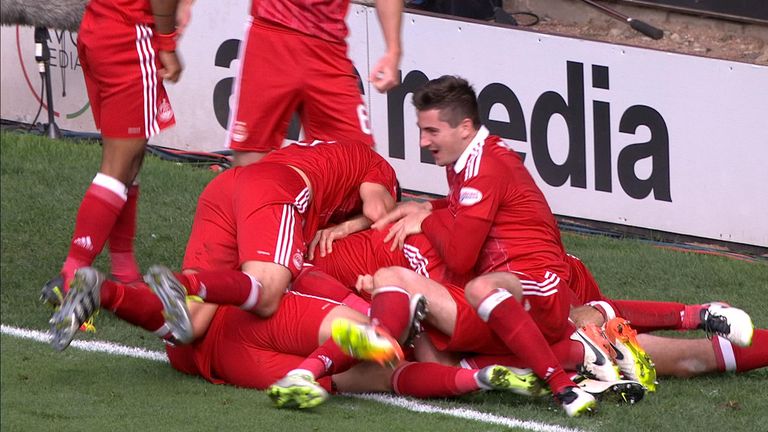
42 183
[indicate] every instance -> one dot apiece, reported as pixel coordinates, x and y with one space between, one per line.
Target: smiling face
445 142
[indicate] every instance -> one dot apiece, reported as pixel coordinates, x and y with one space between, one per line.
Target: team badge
469 196
164 111
239 132
298 260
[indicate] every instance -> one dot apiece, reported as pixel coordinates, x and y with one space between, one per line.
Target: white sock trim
390 288
253 297
729 359
489 304
112 184
606 309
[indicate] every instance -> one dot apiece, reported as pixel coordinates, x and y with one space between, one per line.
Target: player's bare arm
384 74
164 13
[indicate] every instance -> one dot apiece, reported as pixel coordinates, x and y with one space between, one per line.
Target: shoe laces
715 324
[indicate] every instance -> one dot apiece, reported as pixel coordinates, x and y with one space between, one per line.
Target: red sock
480 361
315 282
735 358
425 380
512 324
648 316
390 307
136 304
98 212
224 287
124 267
327 359
568 352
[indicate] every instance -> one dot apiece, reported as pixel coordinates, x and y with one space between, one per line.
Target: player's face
445 142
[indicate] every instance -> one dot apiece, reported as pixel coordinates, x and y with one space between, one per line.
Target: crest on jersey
469 196
298 260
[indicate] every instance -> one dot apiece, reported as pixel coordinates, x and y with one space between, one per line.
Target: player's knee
476 290
389 276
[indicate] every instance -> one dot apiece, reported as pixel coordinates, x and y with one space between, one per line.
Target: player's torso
129 11
319 18
335 172
524 233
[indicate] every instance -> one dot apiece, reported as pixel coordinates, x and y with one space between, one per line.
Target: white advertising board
610 133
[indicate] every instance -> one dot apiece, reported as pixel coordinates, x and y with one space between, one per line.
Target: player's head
448 117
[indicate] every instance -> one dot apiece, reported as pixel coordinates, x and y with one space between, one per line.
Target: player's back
335 172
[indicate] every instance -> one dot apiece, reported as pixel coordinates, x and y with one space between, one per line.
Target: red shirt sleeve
439 203
459 252
460 231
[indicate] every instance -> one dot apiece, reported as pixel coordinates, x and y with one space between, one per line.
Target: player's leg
692 357
299 387
397 307
131 106
498 299
314 281
334 108
134 303
267 92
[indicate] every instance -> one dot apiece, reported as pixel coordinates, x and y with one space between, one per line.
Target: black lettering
395 111
222 91
601 117
54 57
657 148
59 35
547 105
63 59
514 127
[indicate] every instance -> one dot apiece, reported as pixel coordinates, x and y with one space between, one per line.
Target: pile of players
303 276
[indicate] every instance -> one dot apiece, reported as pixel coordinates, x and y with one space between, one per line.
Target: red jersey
129 11
320 18
335 172
490 190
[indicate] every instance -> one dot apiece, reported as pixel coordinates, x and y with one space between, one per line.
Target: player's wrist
166 41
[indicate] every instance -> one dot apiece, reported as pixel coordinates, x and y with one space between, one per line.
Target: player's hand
324 239
410 224
364 283
183 15
402 210
171 70
384 74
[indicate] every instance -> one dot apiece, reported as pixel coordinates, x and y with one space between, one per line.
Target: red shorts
470 334
234 223
247 351
120 66
284 71
361 253
547 304
583 285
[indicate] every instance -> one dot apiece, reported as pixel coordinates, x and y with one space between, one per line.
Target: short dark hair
453 96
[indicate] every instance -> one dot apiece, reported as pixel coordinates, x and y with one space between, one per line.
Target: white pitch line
400 402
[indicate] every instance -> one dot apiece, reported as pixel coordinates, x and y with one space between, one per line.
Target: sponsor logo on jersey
469 196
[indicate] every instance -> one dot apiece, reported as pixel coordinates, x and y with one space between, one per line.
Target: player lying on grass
365 252
289 353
